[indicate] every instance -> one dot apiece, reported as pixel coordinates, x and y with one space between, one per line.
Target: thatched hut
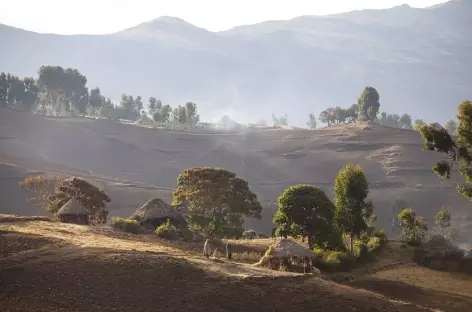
288 255
73 212
156 212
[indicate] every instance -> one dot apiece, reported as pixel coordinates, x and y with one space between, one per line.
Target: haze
106 16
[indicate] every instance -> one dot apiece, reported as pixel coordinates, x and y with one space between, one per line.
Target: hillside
47 266
134 164
416 58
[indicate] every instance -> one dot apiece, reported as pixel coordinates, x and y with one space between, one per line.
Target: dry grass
247 257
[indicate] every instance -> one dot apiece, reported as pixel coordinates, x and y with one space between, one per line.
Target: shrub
381 235
168 231
374 244
126 225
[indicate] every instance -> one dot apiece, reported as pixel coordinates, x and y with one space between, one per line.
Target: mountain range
418 59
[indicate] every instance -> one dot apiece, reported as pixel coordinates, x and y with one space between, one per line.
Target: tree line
369 105
58 91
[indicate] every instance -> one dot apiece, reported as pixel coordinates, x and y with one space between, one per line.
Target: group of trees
280 121
63 91
52 192
305 210
338 115
182 114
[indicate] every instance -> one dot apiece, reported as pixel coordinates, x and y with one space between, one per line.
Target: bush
333 258
374 244
126 225
381 235
168 231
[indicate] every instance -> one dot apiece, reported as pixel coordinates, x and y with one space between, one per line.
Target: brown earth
134 164
65 267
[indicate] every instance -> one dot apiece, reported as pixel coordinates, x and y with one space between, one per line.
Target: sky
107 16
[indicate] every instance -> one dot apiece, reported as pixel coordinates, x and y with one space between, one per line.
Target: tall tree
311 121
3 89
414 228
95 100
458 151
353 211
368 104
451 127
191 113
304 210
443 220
405 122
418 124
217 201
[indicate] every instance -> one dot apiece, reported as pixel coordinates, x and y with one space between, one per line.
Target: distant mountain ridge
418 59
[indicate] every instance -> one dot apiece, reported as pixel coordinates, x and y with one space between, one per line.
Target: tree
405 122
418 124
451 127
217 201
304 210
41 189
352 210
30 95
439 139
368 104
52 192
191 114
95 100
281 121
383 118
138 105
398 206
3 89
414 228
443 219
162 115
311 121
107 110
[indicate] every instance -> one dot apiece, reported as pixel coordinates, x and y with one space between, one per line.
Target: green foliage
126 225
217 201
381 235
418 124
304 210
311 121
368 104
168 231
458 151
338 115
414 228
352 211
443 219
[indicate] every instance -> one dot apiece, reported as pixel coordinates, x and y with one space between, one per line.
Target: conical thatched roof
288 248
72 207
156 208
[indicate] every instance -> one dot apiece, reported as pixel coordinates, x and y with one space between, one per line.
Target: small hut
73 212
156 212
288 255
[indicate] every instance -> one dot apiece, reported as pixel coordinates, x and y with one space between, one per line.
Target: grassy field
47 266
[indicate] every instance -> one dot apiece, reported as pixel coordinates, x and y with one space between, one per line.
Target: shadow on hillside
141 282
446 301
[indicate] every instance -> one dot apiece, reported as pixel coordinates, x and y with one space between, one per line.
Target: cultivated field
46 266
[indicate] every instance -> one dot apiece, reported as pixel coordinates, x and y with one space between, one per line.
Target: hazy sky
105 16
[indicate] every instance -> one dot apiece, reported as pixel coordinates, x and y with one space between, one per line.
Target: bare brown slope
64 267
270 160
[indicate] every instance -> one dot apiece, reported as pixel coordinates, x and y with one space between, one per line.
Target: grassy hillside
134 164
62 267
